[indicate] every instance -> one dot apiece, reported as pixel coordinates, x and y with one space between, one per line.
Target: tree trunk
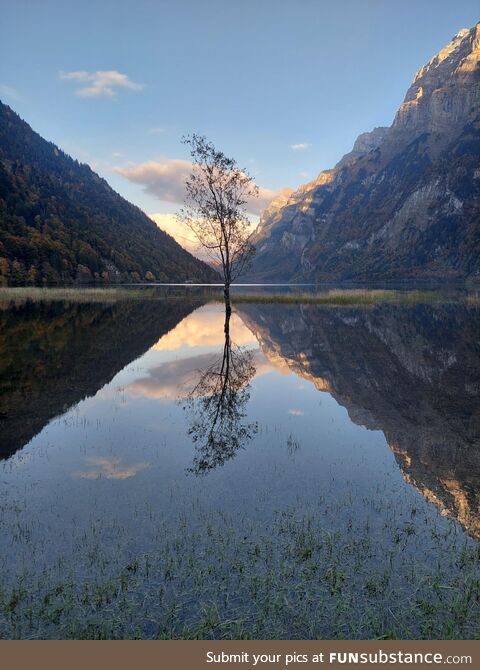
226 296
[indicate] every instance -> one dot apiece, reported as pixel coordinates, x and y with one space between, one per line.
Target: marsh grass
20 294
336 297
347 297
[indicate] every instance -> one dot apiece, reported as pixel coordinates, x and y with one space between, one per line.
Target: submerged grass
296 578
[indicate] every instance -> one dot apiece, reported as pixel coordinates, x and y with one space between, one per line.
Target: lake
312 472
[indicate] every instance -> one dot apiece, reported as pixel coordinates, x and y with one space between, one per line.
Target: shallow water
338 493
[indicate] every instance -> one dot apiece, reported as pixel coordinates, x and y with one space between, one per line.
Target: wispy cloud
155 131
166 181
9 92
301 146
100 83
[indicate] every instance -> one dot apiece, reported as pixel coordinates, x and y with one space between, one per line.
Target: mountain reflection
412 372
216 406
55 354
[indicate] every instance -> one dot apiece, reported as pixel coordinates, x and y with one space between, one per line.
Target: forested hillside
61 222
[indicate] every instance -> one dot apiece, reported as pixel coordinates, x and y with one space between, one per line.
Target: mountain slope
59 221
405 203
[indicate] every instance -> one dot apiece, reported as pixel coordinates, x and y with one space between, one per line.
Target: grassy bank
347 297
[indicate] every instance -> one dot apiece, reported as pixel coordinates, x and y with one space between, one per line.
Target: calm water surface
327 484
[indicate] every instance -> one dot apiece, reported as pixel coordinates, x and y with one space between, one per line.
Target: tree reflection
217 406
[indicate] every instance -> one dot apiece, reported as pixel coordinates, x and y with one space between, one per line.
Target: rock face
411 371
364 143
271 214
405 202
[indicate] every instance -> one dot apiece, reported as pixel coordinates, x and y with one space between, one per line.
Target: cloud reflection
172 379
204 328
110 468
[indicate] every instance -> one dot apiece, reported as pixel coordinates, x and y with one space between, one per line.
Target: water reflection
412 372
110 468
216 406
53 355
365 417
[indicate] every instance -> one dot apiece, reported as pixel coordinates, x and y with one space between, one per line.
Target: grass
21 294
347 297
338 297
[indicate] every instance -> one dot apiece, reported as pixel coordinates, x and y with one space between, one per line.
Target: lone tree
217 191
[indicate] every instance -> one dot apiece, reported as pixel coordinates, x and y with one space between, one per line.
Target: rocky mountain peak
268 216
445 90
365 143
447 56
278 201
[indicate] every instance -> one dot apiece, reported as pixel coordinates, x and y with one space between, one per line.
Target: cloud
155 131
100 83
9 92
172 225
179 231
166 181
301 146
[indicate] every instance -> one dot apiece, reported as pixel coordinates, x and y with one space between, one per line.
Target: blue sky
256 76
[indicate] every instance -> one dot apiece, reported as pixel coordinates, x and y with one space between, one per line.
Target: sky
282 87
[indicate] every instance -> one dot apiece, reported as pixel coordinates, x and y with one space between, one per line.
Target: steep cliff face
405 202
444 92
271 214
364 143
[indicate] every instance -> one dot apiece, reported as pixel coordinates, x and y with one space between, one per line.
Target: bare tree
217 191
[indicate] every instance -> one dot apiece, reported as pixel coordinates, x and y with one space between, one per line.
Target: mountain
60 222
416 380
405 203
